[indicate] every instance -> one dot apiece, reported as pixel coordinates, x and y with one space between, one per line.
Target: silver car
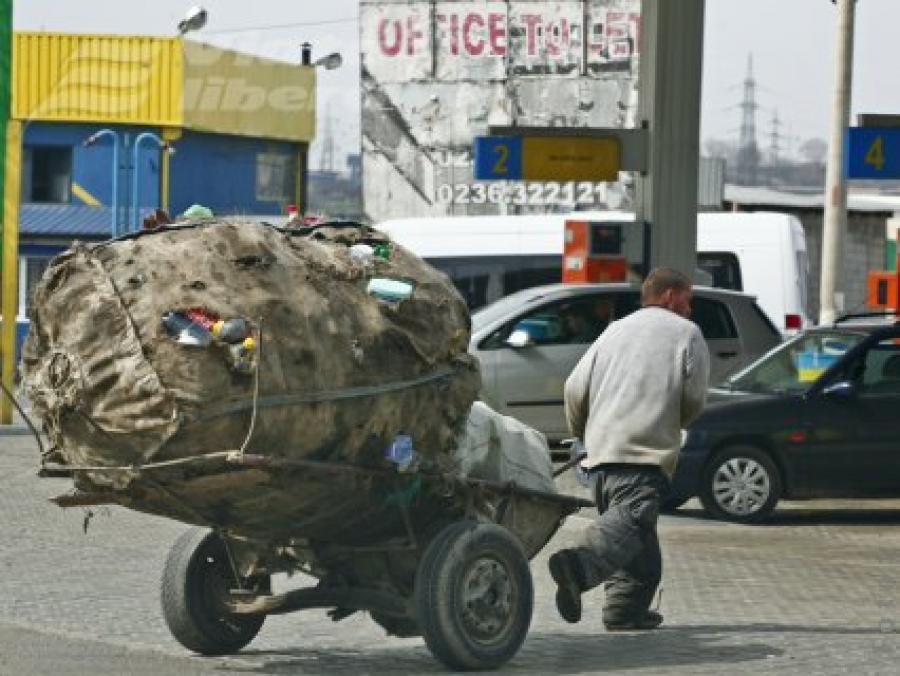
529 342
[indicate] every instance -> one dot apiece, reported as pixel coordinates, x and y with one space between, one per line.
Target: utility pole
831 298
669 108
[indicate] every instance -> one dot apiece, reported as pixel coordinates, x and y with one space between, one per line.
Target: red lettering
454 35
557 37
497 33
392 48
552 38
531 21
413 33
474 48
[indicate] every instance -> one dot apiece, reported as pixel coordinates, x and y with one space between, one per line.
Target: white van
762 253
488 257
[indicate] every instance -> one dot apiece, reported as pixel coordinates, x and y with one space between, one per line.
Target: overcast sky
792 43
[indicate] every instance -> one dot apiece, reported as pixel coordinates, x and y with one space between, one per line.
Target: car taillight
793 322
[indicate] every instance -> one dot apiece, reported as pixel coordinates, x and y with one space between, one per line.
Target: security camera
194 20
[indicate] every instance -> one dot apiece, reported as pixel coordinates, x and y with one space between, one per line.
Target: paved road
813 592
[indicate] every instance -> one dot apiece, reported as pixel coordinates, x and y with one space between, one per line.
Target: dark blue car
817 417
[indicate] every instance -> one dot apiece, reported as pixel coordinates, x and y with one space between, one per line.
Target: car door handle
726 355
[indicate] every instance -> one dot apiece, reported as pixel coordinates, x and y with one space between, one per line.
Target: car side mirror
842 388
519 339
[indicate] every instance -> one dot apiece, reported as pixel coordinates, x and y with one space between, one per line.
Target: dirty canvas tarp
129 359
502 449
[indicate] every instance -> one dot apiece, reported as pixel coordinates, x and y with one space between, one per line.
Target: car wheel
740 484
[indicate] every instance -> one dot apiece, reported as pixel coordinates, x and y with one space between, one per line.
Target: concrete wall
435 75
863 250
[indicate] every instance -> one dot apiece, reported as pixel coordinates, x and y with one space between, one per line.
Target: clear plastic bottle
362 253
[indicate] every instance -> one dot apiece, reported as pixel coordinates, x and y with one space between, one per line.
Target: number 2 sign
498 158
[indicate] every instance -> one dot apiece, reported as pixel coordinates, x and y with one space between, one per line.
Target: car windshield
794 366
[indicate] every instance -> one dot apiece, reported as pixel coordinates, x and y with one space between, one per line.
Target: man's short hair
661 280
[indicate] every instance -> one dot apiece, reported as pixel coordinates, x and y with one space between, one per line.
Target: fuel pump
596 251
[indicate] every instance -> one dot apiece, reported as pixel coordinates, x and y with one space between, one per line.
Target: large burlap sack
339 371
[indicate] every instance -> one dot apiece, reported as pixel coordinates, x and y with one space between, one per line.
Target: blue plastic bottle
401 451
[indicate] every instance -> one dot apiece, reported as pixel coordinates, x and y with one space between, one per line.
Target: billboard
437 73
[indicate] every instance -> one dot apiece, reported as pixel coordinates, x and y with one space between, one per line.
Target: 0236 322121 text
520 193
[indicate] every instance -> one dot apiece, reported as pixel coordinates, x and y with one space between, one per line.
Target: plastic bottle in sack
362 252
383 250
184 330
390 290
401 451
243 355
233 330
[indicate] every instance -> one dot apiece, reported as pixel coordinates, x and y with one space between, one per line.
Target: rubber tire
440 583
762 459
197 562
404 627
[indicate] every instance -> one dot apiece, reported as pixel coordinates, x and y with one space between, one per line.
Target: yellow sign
570 158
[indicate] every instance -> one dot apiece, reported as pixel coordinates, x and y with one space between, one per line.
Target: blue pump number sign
498 158
546 158
873 152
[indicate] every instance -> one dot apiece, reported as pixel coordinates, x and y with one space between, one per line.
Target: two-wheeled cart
425 554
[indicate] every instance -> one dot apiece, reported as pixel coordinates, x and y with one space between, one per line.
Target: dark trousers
621 547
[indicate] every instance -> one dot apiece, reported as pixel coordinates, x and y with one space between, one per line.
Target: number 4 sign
873 152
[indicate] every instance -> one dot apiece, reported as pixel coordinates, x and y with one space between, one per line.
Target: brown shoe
649 620
565 568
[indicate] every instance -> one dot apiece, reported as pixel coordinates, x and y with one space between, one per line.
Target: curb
15 431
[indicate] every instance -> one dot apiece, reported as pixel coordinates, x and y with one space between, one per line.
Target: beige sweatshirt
637 387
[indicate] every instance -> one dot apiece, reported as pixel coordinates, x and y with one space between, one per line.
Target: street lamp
330 62
141 138
115 172
194 20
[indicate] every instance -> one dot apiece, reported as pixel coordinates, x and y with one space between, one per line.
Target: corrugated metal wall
160 82
97 78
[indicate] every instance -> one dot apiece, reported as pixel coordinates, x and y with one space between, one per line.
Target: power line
279 26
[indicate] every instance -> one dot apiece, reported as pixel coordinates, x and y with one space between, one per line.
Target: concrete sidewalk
19 426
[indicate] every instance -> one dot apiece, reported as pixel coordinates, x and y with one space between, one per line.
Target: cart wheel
474 596
196 581
404 627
